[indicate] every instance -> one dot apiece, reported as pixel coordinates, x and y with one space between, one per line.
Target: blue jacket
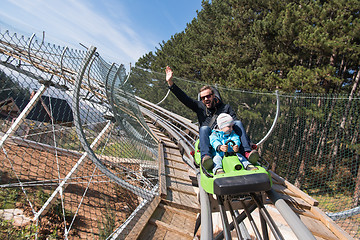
218 138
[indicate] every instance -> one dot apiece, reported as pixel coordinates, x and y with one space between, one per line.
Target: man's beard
212 104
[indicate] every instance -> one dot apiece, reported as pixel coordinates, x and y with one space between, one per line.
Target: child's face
227 129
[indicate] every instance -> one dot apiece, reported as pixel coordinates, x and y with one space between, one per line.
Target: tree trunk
324 133
300 156
341 129
293 146
356 196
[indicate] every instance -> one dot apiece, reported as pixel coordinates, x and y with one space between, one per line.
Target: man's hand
224 148
169 75
236 148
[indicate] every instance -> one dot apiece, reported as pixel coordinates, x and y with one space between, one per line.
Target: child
218 139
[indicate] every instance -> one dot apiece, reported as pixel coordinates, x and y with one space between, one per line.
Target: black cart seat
242 184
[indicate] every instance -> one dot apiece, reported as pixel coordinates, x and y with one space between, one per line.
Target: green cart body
235 180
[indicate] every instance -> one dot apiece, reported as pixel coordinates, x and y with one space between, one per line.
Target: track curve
178 190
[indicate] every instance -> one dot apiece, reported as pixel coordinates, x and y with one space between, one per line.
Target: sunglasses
207 96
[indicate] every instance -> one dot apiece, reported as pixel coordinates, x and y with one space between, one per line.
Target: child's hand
236 148
224 148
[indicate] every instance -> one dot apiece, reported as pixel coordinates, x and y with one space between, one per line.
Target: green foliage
296 47
8 231
122 149
9 87
329 198
54 235
12 197
106 225
71 141
8 197
308 46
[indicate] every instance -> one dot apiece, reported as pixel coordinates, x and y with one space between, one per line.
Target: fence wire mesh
51 185
315 144
47 176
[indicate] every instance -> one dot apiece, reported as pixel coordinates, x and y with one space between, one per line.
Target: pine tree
307 46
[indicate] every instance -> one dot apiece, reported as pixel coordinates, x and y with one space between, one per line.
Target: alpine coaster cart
236 189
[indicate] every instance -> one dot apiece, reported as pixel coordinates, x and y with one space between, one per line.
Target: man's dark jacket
204 114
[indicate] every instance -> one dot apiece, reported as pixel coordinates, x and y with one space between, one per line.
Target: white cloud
80 22
122 31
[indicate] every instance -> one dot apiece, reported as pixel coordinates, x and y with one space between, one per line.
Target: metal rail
175 125
174 129
144 193
275 119
175 132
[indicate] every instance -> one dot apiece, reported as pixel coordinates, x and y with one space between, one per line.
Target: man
207 110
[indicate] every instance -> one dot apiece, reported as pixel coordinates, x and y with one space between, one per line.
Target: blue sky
122 30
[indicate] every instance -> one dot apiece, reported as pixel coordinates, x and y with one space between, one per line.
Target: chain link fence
76 157
315 144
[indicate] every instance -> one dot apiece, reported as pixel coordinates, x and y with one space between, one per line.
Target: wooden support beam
171 228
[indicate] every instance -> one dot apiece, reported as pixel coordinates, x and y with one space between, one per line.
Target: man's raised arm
169 75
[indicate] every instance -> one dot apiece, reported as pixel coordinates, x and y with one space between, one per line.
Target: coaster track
174 213
299 210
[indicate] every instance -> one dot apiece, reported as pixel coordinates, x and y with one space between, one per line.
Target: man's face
207 97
